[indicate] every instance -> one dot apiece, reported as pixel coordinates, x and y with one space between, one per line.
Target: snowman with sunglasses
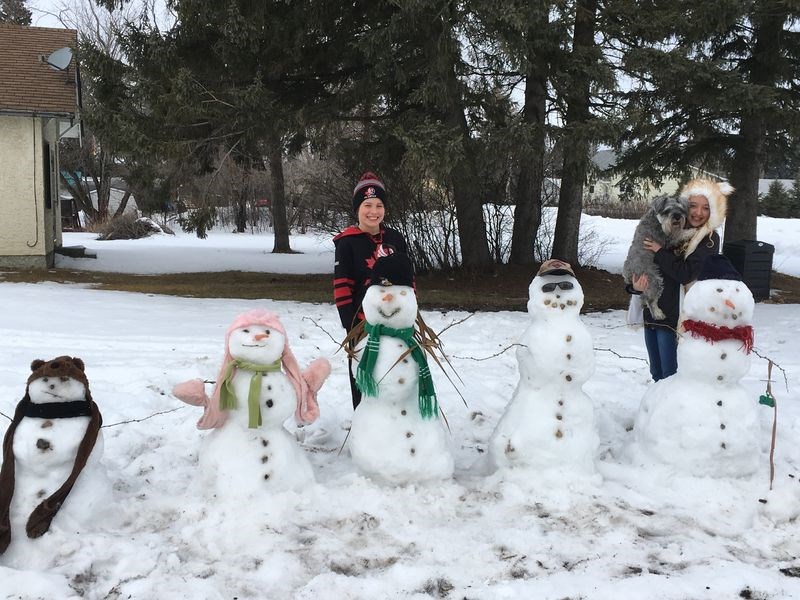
549 422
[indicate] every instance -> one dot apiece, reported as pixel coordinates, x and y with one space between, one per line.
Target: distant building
604 187
39 104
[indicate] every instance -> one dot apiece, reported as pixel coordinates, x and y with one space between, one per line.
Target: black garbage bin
753 260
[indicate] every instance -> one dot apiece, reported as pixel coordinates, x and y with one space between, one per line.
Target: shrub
130 227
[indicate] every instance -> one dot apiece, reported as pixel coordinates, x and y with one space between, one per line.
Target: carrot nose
260 336
730 304
388 297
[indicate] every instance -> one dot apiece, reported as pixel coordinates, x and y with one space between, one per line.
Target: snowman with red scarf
701 419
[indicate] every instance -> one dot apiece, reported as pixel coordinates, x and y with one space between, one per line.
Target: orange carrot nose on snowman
260 336
388 297
730 304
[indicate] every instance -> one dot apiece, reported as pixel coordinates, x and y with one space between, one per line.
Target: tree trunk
746 171
241 211
464 174
277 204
530 176
576 136
748 164
471 224
122 204
82 199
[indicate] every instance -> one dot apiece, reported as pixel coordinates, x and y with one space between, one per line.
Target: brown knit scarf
41 517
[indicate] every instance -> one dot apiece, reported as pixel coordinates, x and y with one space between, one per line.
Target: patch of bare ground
502 287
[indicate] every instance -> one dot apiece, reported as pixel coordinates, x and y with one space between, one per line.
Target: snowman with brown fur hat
52 442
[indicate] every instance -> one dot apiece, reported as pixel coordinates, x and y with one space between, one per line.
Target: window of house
46 172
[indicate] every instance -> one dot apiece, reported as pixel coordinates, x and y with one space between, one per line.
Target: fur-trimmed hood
717 193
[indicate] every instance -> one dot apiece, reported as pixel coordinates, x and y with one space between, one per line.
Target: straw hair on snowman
395 269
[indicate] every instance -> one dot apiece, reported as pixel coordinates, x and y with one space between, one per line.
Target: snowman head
258 343
719 296
59 380
555 292
247 339
390 299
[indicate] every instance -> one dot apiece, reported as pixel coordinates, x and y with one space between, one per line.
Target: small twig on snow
490 356
163 412
618 355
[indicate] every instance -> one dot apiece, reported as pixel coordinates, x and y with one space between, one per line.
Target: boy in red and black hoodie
357 249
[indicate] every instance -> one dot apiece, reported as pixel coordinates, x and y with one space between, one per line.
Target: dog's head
671 213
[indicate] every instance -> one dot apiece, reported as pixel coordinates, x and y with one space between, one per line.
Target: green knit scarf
227 394
365 380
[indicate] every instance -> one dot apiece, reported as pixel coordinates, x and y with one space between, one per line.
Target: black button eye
246 330
719 290
45 379
266 331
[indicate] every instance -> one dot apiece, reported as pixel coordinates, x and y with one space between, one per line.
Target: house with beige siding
39 105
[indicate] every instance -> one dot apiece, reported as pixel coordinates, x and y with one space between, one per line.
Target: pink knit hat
306 384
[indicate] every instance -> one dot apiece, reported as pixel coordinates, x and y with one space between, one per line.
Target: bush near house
130 227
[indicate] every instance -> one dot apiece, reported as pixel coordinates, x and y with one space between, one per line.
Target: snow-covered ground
223 251
625 533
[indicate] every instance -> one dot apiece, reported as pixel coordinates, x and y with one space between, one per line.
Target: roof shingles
29 85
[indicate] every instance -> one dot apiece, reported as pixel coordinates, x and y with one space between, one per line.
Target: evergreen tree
15 12
418 107
795 198
520 46
238 80
714 86
777 202
583 79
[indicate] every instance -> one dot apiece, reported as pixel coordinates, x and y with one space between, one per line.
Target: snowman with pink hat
259 386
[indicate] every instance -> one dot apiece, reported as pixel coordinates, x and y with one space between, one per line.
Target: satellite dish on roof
60 59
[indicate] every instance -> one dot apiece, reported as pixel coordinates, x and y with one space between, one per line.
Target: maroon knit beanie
369 186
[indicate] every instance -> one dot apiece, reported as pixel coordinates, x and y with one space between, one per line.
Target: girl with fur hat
680 266
357 249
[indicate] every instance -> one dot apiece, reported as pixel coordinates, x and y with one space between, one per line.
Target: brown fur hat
62 366
41 517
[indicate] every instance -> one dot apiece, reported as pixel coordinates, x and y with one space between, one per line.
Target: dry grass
229 284
503 287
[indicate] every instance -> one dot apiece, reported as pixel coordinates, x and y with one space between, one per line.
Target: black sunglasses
564 285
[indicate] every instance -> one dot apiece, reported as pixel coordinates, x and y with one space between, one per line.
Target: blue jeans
662 349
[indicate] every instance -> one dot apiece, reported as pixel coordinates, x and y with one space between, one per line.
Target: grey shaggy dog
664 223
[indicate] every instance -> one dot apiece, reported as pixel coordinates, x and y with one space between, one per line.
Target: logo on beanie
370 192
